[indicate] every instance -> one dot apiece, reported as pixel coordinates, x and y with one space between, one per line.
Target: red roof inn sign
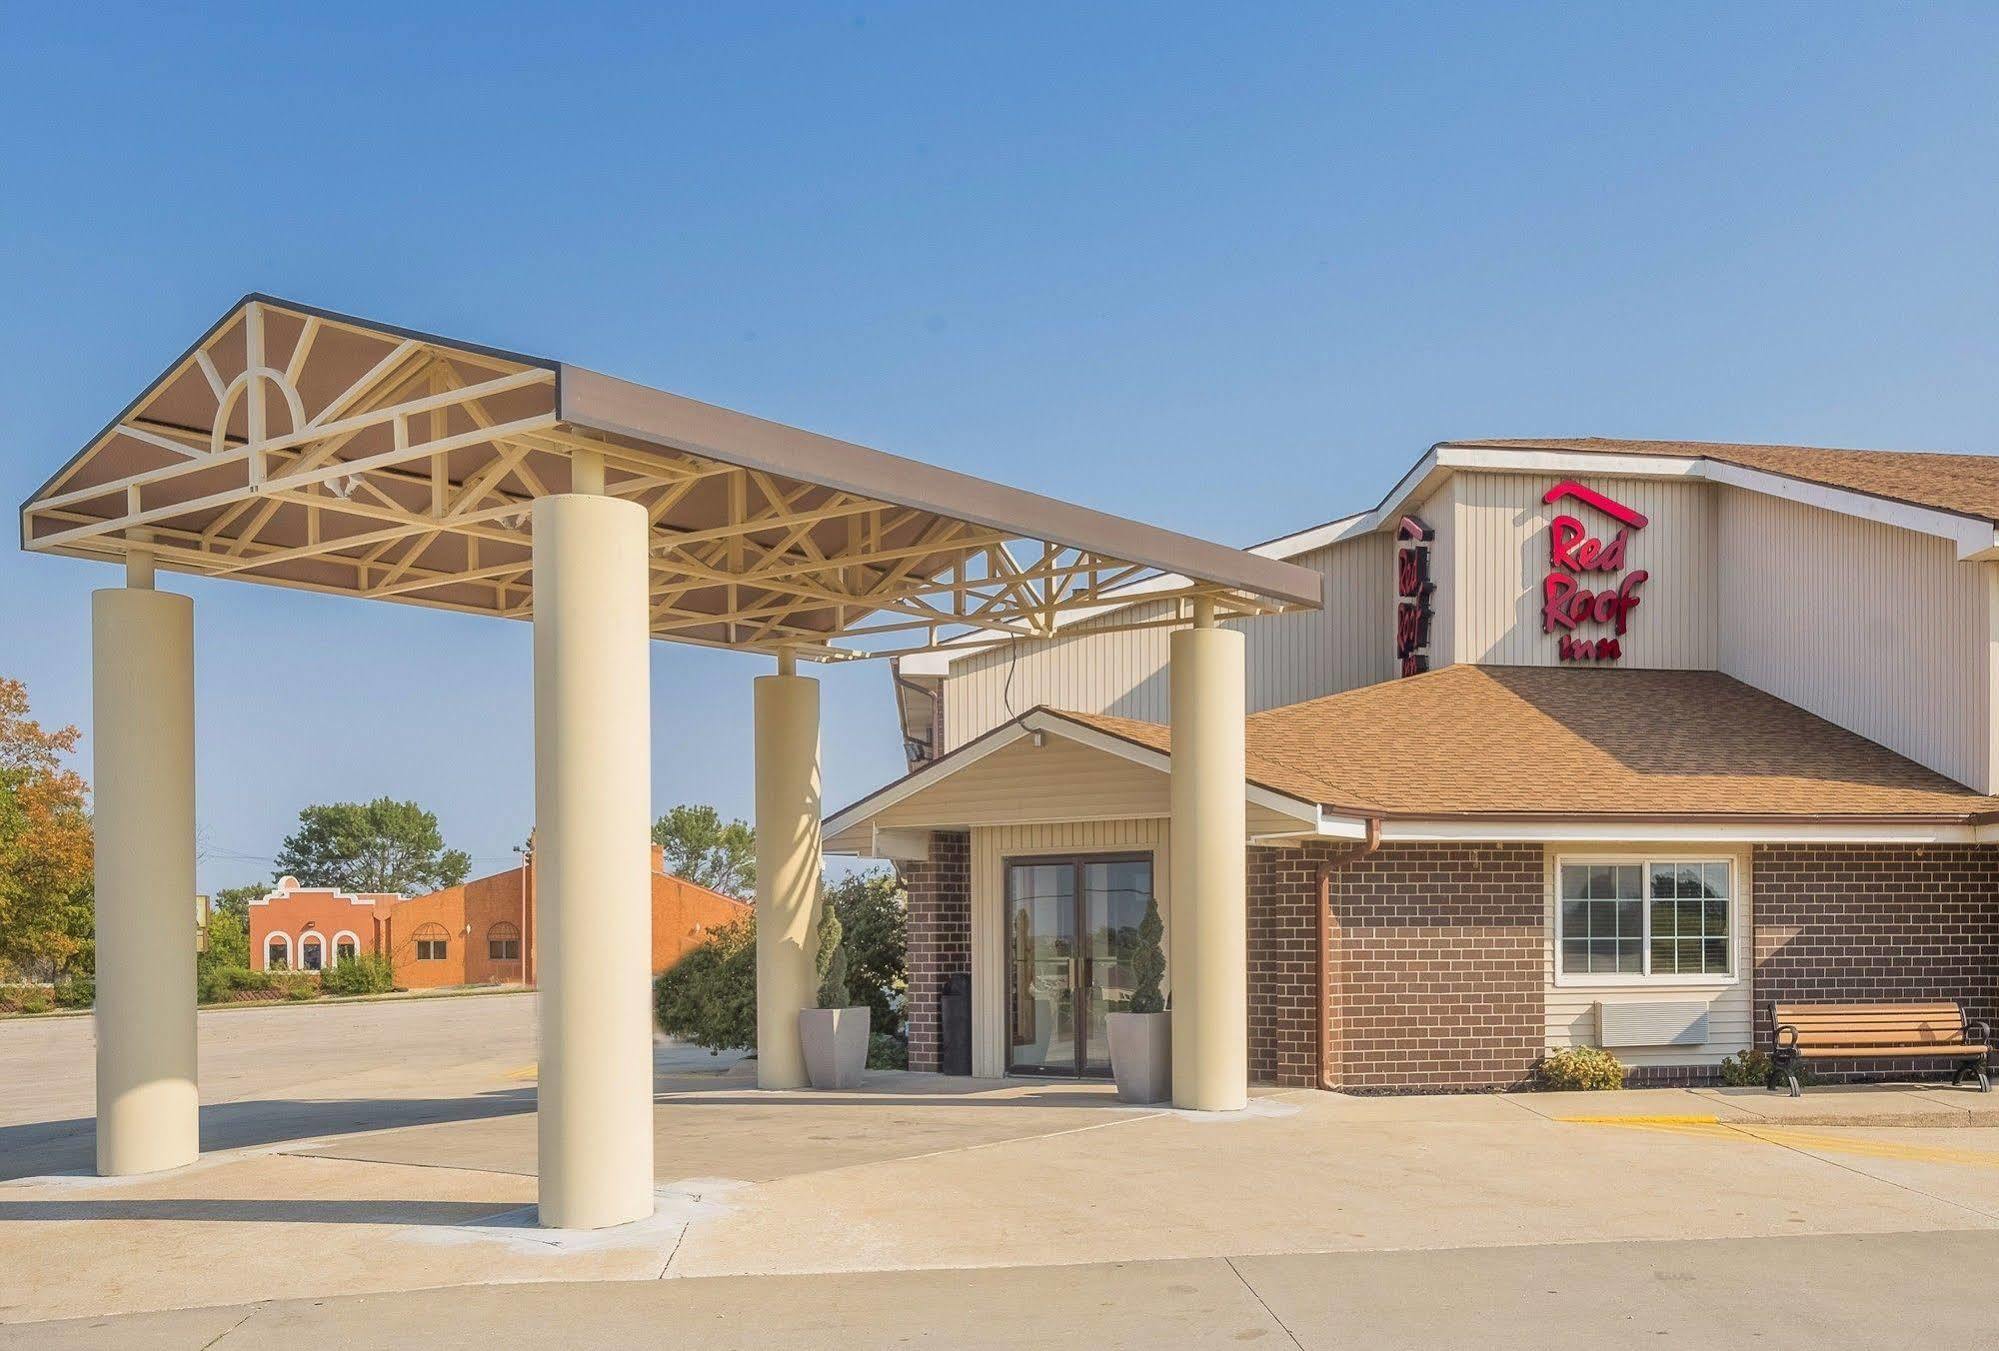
1587 582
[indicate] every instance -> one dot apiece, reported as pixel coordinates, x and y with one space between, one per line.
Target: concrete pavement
383 1184
1783 1294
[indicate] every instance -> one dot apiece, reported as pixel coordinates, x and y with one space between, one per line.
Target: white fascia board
1416 830
1318 537
910 784
1972 536
1053 724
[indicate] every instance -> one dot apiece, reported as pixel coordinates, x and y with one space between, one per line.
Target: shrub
887 1052
874 915
78 992
362 974
1148 962
1750 1069
709 996
830 960
25 999
1581 1067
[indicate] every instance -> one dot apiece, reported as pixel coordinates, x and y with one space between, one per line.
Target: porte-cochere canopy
308 449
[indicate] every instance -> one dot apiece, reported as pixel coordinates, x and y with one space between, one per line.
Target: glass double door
1071 925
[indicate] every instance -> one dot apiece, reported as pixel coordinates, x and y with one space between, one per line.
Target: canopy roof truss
301 448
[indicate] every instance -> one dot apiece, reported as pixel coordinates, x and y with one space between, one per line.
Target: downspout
1326 868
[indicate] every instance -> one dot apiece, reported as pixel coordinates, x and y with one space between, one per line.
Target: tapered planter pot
1142 1055
835 1043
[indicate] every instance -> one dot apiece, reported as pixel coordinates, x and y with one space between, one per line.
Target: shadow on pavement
42 1148
290 1211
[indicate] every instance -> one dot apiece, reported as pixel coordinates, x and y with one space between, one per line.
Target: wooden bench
1877 1031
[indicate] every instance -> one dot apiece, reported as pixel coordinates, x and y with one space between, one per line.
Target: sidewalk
1922 1105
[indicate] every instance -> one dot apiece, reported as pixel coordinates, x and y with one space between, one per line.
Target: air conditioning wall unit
1649 1022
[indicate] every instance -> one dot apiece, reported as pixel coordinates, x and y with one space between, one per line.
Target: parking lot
360 1154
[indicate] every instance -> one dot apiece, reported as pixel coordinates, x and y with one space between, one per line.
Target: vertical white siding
1291 657
1349 643
1571 1009
1878 629
1122 674
1502 557
991 847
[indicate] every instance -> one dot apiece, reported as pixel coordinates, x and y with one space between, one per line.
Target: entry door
1071 924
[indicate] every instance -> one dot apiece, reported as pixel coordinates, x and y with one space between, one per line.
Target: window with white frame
1626 919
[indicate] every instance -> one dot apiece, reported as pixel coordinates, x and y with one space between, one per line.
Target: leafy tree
382 845
46 897
873 910
236 901
704 850
228 940
709 996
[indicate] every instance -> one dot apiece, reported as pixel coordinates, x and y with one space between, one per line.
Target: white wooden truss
305 449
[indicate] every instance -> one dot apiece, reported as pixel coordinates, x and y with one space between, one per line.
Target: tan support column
142 763
788 861
1208 941
593 814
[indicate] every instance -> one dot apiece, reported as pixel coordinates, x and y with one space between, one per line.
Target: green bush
1148 962
887 1052
221 984
1750 1069
363 974
829 960
78 992
25 999
874 915
709 996
1581 1067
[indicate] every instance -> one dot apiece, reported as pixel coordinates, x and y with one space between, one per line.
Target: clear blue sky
1227 269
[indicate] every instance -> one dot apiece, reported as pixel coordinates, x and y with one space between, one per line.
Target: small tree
1148 962
709 996
831 960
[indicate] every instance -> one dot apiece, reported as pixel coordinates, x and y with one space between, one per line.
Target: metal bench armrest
1982 1028
1782 1045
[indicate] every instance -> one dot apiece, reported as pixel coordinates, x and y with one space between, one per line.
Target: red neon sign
1413 589
1574 555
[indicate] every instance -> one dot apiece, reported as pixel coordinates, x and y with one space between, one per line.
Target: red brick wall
939 936
1856 923
1435 967
1284 965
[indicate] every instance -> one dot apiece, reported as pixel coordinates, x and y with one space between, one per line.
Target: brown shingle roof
1966 485
1576 742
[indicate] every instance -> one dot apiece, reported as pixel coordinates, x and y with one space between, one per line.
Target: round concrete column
593 815
142 763
788 860
1208 941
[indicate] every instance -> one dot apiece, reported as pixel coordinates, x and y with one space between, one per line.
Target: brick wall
1435 967
1857 923
939 936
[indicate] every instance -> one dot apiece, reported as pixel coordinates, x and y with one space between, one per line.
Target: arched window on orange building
503 942
432 942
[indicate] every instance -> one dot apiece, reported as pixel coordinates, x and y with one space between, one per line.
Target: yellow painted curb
1690 1119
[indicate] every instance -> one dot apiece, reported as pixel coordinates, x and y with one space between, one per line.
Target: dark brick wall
939 936
1858 923
1435 968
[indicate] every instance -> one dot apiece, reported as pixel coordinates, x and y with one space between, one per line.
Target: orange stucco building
477 933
